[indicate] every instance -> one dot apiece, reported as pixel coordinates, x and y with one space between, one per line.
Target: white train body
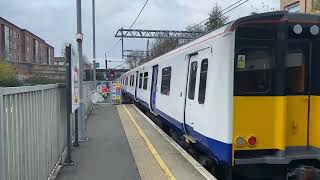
218 48
242 92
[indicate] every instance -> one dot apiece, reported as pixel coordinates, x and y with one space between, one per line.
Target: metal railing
33 130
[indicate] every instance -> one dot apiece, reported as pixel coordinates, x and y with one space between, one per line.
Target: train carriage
247 94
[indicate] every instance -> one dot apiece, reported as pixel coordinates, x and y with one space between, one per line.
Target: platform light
297 29
314 30
252 141
240 141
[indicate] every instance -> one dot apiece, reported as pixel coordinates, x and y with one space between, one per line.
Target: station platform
124 144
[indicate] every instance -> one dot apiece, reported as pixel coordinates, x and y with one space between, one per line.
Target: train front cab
276 111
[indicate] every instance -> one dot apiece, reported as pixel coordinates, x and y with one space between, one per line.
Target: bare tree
135 58
162 46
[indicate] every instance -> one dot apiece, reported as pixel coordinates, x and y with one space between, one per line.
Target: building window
145 81
48 55
192 79
7 42
165 81
293 8
35 51
140 81
253 71
203 81
316 4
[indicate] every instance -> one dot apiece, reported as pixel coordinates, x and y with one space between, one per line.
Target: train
246 96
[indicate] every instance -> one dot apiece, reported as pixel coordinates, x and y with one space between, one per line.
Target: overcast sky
55 20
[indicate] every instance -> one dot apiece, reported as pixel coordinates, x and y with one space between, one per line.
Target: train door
298 72
153 93
136 86
191 101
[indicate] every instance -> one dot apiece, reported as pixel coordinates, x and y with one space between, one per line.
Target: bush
8 75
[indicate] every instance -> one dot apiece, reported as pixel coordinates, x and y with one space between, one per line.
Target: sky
55 20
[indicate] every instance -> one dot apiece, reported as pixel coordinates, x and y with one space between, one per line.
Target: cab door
298 93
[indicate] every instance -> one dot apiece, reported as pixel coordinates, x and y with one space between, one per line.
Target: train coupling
304 173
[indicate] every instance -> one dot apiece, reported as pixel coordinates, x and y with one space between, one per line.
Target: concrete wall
28 70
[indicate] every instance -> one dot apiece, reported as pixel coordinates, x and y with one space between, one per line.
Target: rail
33 130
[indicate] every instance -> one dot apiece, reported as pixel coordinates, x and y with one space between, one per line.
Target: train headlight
297 29
240 141
252 141
314 30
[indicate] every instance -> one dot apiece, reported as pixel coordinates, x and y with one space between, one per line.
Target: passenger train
247 95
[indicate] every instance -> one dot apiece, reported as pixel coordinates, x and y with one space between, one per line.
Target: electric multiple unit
247 94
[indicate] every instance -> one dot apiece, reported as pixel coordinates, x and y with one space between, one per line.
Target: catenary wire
135 20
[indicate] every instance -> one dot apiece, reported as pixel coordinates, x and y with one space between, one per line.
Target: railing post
76 130
2 136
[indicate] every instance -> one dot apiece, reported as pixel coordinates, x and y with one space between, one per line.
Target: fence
33 130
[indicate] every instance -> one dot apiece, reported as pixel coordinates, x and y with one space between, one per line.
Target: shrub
8 74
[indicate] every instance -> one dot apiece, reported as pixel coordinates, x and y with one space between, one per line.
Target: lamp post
81 123
94 44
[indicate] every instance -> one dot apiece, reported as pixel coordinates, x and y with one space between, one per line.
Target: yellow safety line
154 152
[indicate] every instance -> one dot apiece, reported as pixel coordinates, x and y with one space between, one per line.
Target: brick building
20 45
302 6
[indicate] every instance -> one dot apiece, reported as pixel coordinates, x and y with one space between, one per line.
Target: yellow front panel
314 136
261 116
297 121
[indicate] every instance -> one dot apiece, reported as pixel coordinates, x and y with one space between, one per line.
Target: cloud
55 20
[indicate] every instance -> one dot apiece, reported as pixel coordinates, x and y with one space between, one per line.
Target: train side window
203 81
133 79
145 80
130 80
140 81
192 80
253 71
165 81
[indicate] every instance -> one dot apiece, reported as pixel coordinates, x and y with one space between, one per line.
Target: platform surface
124 145
106 155
147 164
